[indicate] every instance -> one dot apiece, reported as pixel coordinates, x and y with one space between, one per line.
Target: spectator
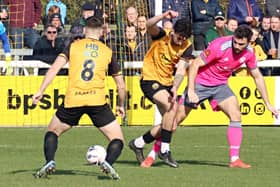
87 11
55 20
272 7
232 24
98 8
131 15
47 48
245 11
265 25
53 9
203 12
181 6
62 7
24 17
142 28
271 43
218 29
4 15
133 46
259 52
143 35
6 46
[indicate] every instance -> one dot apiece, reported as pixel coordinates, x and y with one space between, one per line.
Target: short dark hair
94 22
49 25
243 31
183 27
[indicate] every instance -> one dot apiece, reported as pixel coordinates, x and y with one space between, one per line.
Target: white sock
234 158
139 142
164 147
152 154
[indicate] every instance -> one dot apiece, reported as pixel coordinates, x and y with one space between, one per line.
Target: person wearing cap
53 9
203 12
87 11
62 7
55 19
218 29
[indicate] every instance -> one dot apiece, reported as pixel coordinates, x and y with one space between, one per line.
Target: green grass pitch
202 154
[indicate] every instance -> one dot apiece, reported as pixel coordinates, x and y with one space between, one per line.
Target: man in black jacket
47 48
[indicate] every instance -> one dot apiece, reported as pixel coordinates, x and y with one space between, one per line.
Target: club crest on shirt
155 86
207 52
242 60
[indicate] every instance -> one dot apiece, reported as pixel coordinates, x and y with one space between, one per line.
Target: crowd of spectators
131 41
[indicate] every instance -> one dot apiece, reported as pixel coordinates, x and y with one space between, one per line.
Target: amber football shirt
88 64
161 58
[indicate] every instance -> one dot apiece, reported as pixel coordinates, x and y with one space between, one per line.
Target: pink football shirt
220 61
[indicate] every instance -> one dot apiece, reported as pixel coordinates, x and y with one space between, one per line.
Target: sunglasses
51 32
78 37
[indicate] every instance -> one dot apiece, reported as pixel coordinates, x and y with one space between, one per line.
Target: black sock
148 138
166 136
50 145
114 150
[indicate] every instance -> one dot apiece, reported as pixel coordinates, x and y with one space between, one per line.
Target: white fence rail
36 64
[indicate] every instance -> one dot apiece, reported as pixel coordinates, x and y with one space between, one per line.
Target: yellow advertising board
16 107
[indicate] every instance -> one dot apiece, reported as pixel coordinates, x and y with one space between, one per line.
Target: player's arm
115 71
152 28
260 83
121 94
193 69
179 76
53 70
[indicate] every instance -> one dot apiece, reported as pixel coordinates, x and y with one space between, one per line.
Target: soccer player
166 52
88 63
208 80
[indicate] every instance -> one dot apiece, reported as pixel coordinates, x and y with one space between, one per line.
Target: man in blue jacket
245 11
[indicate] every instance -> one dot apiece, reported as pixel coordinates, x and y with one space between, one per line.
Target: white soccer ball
96 154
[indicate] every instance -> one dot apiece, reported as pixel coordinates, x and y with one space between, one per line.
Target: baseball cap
219 14
87 6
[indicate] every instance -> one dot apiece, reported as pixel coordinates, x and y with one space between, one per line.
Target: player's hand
171 14
203 12
37 97
120 111
193 98
249 19
273 110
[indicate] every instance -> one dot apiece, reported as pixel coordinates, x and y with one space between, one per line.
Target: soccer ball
96 154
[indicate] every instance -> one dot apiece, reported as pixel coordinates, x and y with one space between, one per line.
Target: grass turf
202 154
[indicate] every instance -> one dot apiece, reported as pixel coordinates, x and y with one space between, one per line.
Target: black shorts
99 115
150 88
